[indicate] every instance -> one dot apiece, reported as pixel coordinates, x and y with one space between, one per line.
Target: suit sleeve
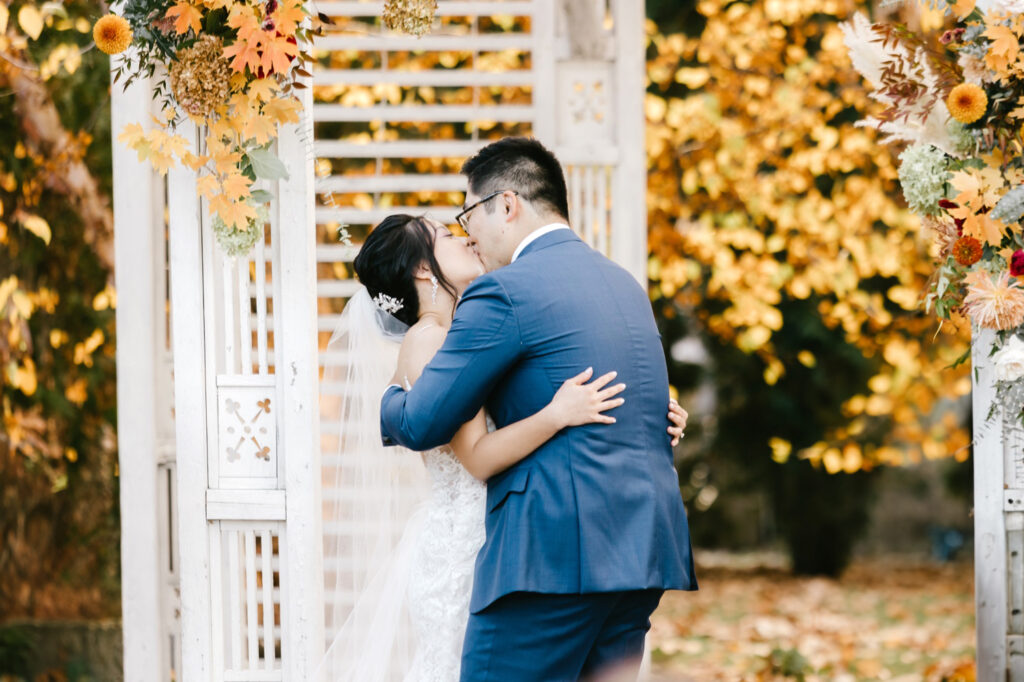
483 343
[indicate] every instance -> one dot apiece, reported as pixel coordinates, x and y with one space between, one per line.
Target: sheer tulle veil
373 498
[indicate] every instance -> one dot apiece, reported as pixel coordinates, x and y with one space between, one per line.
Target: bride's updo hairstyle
387 262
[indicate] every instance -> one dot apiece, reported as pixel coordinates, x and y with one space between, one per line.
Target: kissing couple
527 369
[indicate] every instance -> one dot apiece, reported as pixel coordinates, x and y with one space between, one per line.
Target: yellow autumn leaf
263 88
4 16
236 186
76 392
31 21
283 110
692 78
186 16
961 8
24 377
7 287
781 449
37 226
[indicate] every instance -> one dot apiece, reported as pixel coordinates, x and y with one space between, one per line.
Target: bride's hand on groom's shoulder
578 402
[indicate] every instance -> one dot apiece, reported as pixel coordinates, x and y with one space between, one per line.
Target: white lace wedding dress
442 568
417 526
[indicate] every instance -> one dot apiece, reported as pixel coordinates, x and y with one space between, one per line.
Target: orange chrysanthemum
967 250
112 34
967 102
995 304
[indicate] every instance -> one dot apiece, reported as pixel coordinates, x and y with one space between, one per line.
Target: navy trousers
531 637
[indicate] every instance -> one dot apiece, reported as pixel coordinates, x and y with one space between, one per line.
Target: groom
585 534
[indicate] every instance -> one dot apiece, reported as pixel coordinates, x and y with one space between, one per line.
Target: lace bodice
445 557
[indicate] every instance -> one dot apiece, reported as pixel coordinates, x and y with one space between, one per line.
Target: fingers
609 392
677 419
610 404
602 380
582 377
675 407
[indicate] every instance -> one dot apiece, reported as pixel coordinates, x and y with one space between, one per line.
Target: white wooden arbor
998 528
219 360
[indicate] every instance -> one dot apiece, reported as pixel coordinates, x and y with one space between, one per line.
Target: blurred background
826 468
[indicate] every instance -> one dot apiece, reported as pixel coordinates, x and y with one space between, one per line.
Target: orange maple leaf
283 109
245 53
260 127
961 8
236 186
234 213
984 228
1004 49
188 16
288 16
277 53
206 185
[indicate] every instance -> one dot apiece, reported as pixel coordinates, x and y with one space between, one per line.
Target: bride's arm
576 402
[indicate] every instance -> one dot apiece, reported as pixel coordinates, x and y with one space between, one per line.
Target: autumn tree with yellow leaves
58 515
778 226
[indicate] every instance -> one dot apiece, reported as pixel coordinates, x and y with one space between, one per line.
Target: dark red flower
959 226
951 36
1017 263
967 250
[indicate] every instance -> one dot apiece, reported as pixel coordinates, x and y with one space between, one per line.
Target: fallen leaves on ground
885 619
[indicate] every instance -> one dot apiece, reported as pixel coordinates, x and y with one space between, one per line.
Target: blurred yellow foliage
761 189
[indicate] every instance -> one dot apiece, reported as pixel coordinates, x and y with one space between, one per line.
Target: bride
412 563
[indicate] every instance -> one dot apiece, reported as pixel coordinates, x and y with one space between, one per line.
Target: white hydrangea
239 242
923 175
961 136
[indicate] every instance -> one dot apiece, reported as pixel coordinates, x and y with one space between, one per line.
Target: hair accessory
387 303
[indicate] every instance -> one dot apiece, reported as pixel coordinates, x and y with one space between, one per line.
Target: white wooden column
629 209
135 234
302 603
990 560
190 351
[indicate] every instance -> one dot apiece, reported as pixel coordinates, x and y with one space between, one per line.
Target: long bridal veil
373 497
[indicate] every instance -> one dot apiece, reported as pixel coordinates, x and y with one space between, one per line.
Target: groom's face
489 227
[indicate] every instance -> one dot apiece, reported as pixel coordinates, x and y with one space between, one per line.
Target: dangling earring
433 291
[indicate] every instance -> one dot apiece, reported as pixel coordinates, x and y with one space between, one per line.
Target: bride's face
457 259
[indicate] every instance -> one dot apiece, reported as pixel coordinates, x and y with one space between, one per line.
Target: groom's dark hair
522 164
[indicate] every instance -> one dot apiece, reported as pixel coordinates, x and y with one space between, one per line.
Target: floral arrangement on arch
232 67
957 100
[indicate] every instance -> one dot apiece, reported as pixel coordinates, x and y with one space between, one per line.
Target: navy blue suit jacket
596 508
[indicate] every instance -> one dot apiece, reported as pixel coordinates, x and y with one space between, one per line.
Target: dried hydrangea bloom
199 79
409 16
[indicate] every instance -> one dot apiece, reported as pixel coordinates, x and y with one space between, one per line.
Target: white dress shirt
536 234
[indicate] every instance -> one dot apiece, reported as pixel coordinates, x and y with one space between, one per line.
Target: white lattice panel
246 584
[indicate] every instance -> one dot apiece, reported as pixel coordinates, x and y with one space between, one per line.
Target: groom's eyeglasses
463 218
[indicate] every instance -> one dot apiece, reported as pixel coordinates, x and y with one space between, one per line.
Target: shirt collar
536 234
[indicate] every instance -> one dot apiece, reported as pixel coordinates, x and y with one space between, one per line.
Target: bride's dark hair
387 262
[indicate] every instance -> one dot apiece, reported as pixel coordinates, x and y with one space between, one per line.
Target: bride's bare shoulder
420 344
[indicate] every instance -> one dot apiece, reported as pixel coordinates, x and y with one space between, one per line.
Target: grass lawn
885 619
